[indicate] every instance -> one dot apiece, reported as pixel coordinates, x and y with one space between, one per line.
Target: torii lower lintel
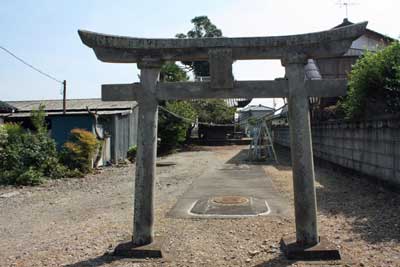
241 89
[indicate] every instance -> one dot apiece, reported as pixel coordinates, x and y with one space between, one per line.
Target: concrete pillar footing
129 250
322 251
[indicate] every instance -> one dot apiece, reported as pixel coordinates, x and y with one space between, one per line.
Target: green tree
171 72
214 111
202 28
172 130
374 84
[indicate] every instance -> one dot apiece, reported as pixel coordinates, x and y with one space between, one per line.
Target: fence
369 147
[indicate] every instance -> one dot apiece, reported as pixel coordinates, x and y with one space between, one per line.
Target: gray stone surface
302 157
122 49
146 161
221 61
241 89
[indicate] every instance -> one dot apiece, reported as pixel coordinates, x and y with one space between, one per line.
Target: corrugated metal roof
5 107
236 102
72 105
256 108
28 114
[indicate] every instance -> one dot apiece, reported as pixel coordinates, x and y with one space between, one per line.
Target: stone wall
369 147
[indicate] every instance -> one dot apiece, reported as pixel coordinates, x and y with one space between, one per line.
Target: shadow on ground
104 259
242 158
94 262
371 209
280 261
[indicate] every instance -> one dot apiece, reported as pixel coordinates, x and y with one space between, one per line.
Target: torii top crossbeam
121 49
221 52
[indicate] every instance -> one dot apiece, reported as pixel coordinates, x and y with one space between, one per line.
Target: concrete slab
129 250
324 250
230 179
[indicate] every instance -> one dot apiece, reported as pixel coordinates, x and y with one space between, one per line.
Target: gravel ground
76 222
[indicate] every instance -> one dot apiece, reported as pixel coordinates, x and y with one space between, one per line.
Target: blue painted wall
61 126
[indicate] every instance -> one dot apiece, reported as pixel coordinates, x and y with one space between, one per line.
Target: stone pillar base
324 250
130 250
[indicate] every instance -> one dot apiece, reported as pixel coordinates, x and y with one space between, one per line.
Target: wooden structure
293 51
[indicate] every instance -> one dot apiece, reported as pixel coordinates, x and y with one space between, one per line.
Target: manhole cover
230 200
230 206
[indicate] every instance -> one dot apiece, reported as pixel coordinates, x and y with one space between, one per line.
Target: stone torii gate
293 51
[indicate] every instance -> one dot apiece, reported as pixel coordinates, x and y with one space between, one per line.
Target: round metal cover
230 200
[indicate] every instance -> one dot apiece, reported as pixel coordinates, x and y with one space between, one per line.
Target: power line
30 66
257 119
193 121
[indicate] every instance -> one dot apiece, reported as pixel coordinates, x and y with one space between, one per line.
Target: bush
31 176
79 151
172 130
131 154
3 141
374 84
27 158
38 120
30 157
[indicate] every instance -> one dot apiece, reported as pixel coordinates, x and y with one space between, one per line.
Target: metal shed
116 121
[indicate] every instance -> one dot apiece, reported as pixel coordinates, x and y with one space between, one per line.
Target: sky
44 33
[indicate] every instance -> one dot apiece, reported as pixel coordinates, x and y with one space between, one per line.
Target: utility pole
64 97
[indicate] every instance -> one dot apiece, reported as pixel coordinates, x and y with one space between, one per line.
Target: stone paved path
234 177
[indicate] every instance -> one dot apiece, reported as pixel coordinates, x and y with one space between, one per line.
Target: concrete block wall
370 147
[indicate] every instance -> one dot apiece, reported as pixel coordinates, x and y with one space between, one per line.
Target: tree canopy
374 84
202 28
214 111
171 72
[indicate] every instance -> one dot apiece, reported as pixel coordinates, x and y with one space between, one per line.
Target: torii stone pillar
301 152
146 155
142 244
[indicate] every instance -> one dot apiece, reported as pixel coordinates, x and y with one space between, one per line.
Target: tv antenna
346 4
